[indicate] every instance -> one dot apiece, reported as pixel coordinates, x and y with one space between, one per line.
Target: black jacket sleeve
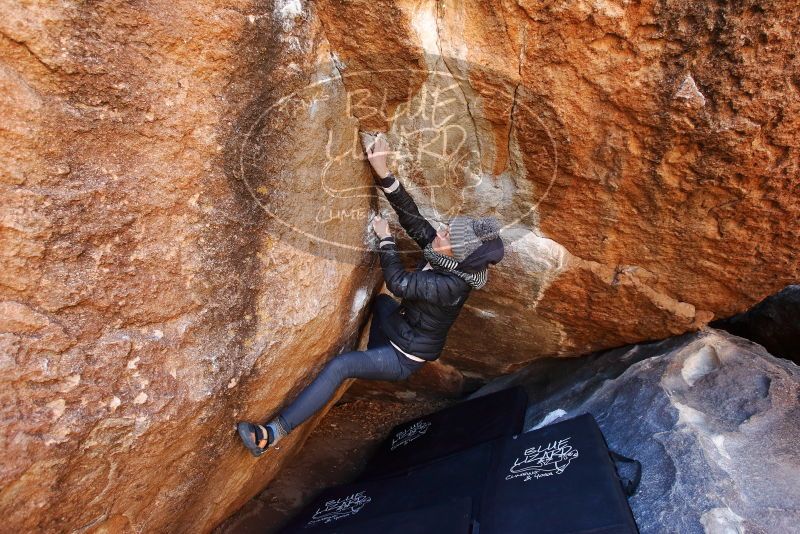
430 286
415 225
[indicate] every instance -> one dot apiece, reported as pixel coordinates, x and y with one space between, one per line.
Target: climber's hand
376 153
381 226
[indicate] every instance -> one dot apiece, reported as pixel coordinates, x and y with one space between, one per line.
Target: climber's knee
341 367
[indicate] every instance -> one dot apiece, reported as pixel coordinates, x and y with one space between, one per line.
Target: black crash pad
559 479
454 516
459 475
455 428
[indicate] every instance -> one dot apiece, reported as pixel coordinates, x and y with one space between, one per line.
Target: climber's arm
412 222
410 218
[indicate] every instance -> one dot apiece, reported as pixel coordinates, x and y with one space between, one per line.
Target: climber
405 335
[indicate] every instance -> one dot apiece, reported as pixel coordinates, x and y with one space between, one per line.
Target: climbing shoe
263 435
271 433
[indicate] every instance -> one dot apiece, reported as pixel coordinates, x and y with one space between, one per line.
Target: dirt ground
335 453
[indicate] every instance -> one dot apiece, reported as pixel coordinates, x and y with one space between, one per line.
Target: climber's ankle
276 430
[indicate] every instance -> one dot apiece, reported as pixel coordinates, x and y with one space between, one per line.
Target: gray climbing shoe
247 430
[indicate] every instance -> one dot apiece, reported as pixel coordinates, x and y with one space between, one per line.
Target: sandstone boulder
148 300
183 223
642 158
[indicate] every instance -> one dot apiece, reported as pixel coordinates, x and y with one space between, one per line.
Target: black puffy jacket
431 300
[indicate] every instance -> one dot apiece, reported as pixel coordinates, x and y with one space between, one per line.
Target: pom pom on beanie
486 228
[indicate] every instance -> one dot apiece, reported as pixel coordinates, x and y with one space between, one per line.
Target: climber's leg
382 306
380 363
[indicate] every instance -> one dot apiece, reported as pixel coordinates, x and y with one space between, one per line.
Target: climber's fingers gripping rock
381 226
377 154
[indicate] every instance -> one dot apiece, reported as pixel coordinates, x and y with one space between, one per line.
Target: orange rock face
148 300
185 205
642 158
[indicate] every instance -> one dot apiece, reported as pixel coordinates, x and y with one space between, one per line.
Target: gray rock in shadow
714 419
773 323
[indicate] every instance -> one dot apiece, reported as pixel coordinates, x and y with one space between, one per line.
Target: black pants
379 362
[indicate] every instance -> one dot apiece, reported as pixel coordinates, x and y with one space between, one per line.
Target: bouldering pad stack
456 428
469 469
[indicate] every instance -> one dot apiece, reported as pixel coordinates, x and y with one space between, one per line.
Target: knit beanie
468 233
